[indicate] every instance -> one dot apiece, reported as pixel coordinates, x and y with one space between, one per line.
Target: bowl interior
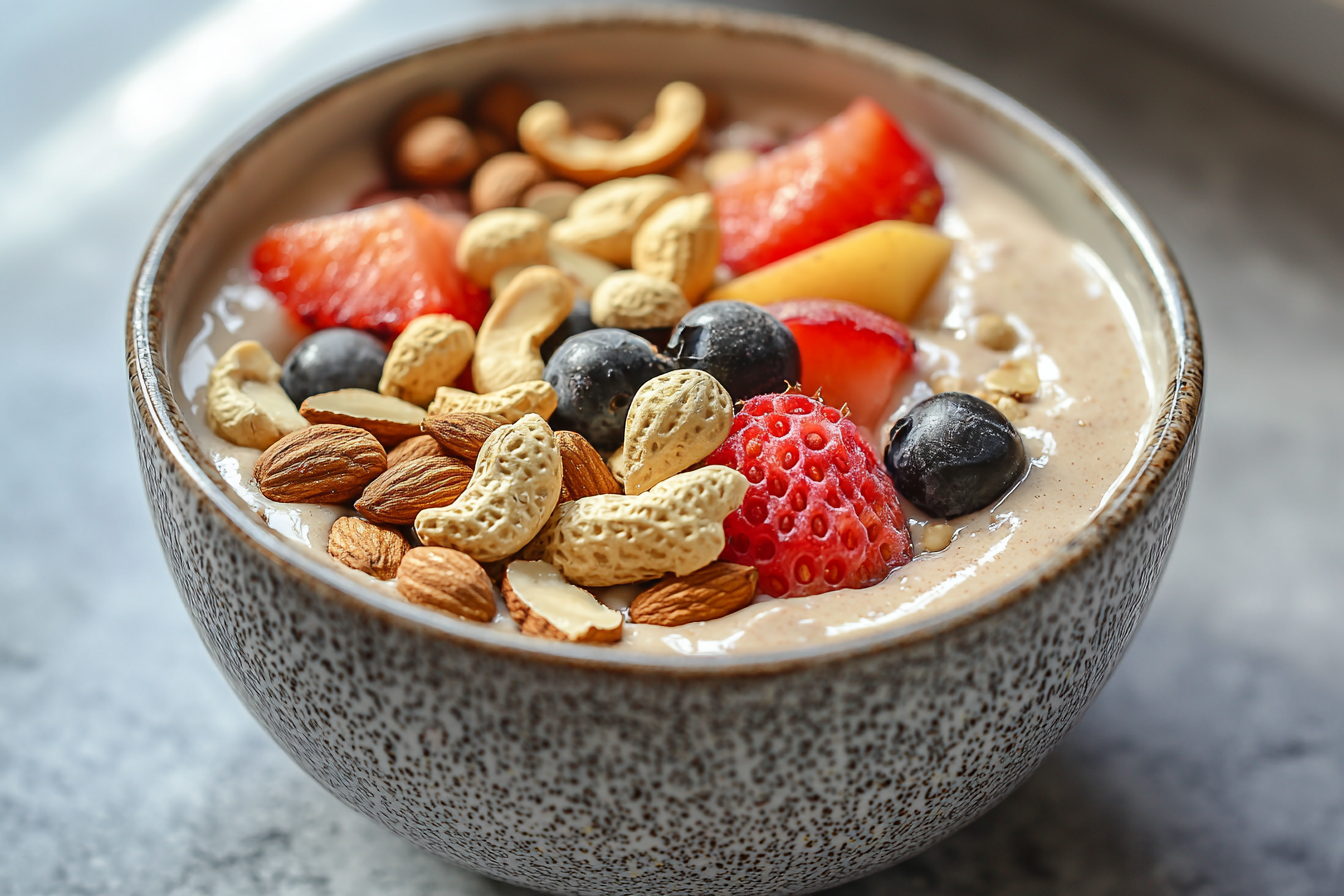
312 157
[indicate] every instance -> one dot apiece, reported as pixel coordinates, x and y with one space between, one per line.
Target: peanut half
544 604
497 239
681 243
604 219
431 352
244 403
675 420
676 526
508 344
511 494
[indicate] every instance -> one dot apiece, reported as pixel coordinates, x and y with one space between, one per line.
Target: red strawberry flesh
853 170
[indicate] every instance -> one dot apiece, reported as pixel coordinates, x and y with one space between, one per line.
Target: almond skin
420 446
447 580
709 593
324 464
460 433
532 620
403 491
363 546
586 474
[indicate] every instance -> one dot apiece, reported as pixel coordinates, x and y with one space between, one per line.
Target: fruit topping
819 514
740 345
580 320
855 169
373 269
339 358
849 353
888 266
954 454
596 375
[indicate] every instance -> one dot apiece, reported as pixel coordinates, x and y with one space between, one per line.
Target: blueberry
595 375
338 358
954 454
579 321
741 346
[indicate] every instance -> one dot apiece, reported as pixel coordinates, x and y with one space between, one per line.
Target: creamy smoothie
1082 430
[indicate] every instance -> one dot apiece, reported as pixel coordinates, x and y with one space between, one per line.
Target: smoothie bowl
712 452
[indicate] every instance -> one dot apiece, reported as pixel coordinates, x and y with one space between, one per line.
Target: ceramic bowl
572 769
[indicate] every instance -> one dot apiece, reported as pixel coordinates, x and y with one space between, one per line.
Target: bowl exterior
572 779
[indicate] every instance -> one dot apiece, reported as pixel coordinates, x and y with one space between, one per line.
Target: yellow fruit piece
887 266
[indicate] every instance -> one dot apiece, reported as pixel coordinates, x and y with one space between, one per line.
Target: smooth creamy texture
1082 431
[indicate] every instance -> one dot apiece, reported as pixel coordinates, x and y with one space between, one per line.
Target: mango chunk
888 266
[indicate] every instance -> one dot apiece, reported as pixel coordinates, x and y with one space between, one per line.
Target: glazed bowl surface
568 768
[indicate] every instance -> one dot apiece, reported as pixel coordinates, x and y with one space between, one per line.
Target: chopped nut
726 164
937 536
993 332
1017 377
544 604
945 383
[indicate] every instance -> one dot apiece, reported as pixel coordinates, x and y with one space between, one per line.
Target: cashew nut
679 111
634 301
499 238
681 243
513 402
508 345
676 526
603 220
244 403
429 353
512 493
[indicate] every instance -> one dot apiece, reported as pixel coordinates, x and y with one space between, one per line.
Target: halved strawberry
374 269
852 354
855 169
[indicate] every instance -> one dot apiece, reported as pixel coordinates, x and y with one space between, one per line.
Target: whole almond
325 463
501 181
420 446
408 488
462 433
585 473
447 580
369 548
708 593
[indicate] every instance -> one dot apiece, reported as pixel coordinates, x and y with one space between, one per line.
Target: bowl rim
1172 432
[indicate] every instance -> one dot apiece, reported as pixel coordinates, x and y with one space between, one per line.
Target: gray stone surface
1212 764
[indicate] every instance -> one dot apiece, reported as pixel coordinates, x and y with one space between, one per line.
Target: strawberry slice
852 354
375 269
855 169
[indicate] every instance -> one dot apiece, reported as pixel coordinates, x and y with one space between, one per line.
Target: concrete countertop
1213 763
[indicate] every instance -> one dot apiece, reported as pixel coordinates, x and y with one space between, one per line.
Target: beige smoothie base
1082 431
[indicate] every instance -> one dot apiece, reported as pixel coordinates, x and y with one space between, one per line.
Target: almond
545 605
408 488
585 473
361 545
324 464
390 419
709 593
462 433
420 446
447 580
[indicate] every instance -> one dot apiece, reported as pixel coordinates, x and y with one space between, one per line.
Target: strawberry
855 169
374 269
851 355
820 514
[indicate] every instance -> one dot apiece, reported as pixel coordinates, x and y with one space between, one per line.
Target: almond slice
390 419
709 593
363 546
447 580
462 433
545 605
324 464
408 488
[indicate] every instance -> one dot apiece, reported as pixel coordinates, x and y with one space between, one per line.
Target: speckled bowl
573 769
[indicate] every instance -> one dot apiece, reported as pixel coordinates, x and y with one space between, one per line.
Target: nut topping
368 548
399 494
324 463
390 419
447 580
708 593
545 605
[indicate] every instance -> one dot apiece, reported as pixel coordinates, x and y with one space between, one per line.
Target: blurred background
1212 764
